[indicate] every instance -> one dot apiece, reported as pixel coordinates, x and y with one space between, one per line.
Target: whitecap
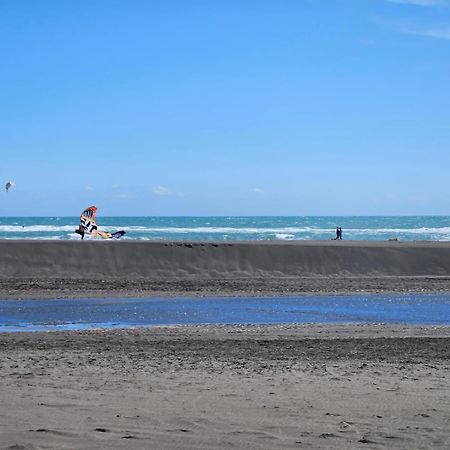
284 236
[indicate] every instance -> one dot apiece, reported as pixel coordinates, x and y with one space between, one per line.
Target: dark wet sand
258 387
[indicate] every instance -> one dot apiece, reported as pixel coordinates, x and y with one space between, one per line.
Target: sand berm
141 268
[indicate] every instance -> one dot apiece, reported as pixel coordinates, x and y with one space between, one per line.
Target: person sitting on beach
88 225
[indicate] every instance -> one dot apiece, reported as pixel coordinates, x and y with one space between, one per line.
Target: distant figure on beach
340 233
337 234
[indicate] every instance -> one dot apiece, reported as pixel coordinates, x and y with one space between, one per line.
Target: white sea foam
34 228
234 228
284 236
45 237
287 230
442 230
226 230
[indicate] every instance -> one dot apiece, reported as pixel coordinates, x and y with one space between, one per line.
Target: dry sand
209 387
36 269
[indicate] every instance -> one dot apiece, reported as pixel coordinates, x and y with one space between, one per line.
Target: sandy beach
204 387
46 269
259 387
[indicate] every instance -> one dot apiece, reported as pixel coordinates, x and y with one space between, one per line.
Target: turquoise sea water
78 314
435 228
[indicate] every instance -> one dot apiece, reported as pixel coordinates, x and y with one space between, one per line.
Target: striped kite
88 225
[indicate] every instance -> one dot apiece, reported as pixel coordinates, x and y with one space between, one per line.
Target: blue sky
225 107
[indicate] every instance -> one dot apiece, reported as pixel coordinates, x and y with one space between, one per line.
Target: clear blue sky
225 107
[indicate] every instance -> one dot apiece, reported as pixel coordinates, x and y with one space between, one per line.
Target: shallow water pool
88 313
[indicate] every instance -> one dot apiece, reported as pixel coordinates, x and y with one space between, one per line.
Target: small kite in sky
9 185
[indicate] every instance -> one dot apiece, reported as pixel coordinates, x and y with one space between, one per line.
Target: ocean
376 228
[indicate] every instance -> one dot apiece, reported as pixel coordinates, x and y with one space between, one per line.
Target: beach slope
136 268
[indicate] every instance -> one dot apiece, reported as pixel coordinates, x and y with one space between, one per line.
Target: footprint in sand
22 447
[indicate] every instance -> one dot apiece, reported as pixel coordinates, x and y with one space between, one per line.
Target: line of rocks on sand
16 288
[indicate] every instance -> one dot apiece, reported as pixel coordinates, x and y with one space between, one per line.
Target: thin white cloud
419 2
256 190
164 191
122 196
161 190
408 27
443 33
431 32
88 188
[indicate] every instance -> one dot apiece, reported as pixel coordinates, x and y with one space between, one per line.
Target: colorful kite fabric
87 221
88 225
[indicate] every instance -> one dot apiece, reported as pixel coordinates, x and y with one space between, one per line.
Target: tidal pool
88 313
